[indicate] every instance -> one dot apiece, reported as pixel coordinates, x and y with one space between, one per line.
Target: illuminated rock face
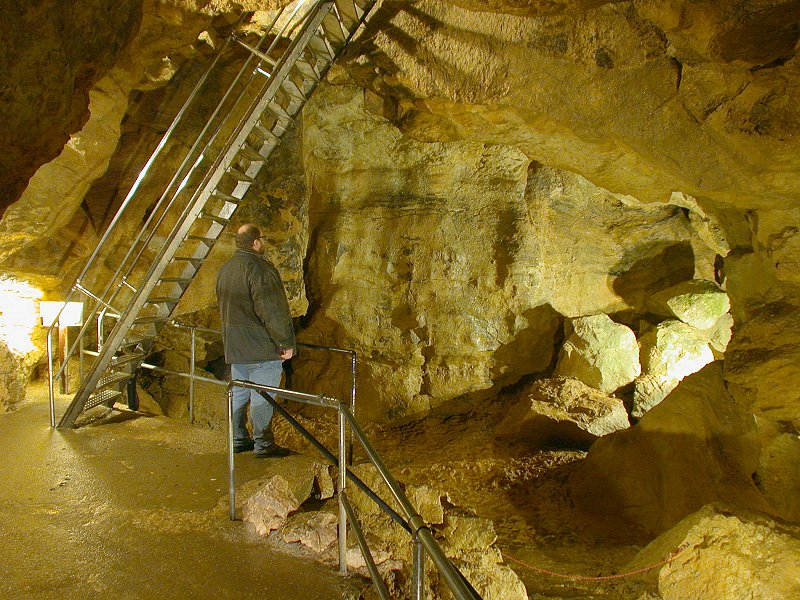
599 352
21 338
470 176
562 412
722 554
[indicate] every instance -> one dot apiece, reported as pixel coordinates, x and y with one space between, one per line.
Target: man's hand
287 353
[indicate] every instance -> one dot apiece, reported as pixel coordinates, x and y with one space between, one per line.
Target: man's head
248 237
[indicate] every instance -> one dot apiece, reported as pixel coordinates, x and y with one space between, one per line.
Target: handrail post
342 485
418 570
81 348
191 378
50 377
231 474
100 329
63 344
353 366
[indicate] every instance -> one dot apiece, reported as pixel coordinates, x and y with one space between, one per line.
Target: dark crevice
778 62
679 72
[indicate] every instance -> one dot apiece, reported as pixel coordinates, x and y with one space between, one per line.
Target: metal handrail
422 537
351 353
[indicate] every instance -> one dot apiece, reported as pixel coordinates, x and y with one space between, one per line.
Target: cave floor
134 509
137 507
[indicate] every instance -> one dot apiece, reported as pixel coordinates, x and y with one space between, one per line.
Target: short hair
246 235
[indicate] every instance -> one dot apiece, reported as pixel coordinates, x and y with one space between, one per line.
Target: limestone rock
288 483
777 475
355 560
317 530
669 353
763 361
698 446
93 129
268 508
46 83
468 533
563 411
697 302
428 503
726 554
495 581
599 352
719 336
682 69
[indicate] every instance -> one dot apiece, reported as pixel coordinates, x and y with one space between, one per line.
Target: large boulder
563 411
698 446
669 352
288 483
778 475
269 507
698 302
601 353
763 361
726 555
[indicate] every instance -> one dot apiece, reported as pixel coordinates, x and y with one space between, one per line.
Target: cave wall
470 175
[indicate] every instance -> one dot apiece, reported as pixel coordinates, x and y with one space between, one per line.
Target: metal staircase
183 221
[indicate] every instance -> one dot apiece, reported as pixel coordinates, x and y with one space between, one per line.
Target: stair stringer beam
181 230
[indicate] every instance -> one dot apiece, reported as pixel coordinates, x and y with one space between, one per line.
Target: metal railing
420 533
348 427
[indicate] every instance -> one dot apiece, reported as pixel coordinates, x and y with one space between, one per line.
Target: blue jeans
264 373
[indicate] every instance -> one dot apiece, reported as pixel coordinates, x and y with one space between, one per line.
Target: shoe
245 446
273 451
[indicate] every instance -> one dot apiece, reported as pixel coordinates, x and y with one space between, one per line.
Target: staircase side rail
176 235
142 244
263 56
208 183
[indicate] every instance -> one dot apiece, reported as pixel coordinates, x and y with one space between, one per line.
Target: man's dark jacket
256 323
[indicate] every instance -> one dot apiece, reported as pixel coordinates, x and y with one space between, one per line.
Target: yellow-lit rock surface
470 176
453 281
721 553
697 446
562 411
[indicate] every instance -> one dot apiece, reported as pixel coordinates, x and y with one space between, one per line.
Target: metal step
240 175
251 153
280 112
208 242
112 378
107 397
193 260
162 300
215 218
295 92
226 197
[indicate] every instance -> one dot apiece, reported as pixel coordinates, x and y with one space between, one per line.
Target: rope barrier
673 555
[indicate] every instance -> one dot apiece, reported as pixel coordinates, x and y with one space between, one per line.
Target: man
257 335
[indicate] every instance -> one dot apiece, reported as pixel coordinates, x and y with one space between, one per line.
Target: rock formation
471 184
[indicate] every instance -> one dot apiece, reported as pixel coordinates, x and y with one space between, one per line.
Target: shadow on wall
650 268
533 349
698 446
384 21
